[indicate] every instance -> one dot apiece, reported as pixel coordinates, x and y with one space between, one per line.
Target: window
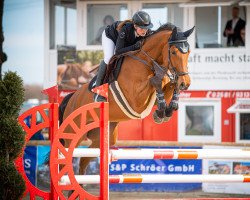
101 15
59 25
245 126
63 25
163 13
211 23
71 27
242 119
200 120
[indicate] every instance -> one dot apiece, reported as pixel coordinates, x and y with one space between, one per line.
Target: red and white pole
104 151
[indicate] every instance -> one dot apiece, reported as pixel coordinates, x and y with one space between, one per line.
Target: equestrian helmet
142 19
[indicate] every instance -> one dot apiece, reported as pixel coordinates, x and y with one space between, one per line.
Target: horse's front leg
159 114
173 106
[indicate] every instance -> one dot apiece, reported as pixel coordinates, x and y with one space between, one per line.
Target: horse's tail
61 112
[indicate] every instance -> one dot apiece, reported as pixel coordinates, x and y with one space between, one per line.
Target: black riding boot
99 80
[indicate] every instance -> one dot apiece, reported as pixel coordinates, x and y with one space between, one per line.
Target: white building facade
220 74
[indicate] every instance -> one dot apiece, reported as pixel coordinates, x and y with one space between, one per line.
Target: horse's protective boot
99 81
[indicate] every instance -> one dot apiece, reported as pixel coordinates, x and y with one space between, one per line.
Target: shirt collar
136 35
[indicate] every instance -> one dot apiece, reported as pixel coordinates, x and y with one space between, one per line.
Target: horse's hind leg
84 161
94 136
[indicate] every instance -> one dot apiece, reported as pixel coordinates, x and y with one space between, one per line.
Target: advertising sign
30 163
226 167
156 167
219 70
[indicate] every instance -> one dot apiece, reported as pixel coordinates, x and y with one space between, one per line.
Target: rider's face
140 31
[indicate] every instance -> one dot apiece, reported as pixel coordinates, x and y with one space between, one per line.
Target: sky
23 26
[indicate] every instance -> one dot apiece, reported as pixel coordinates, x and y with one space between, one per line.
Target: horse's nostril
182 86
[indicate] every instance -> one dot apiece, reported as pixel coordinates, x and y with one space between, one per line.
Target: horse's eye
173 52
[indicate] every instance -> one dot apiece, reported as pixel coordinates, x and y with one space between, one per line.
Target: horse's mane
165 27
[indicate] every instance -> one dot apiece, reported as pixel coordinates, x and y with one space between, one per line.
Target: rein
156 81
152 68
174 73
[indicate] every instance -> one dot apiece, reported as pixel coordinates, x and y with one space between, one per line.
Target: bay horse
166 48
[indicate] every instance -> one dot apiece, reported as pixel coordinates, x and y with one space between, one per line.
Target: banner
30 163
43 172
156 167
220 70
226 167
76 68
39 174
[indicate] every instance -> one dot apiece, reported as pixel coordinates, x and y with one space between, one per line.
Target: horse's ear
188 32
174 32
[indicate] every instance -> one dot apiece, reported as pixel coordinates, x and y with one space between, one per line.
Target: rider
121 37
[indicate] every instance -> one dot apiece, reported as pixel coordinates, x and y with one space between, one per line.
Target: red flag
101 90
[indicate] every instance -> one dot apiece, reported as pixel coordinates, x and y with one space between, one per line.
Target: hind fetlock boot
99 81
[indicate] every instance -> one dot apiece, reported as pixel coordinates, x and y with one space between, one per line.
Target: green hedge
12 136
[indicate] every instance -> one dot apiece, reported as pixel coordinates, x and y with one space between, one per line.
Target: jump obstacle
63 179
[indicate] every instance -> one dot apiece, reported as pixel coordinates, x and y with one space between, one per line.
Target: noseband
183 47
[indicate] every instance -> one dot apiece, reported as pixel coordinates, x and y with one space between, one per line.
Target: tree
12 136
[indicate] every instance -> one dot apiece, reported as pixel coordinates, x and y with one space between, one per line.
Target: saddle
112 71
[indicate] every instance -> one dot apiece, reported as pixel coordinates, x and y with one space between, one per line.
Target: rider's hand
138 45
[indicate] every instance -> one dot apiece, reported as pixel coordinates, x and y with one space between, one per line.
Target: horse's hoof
166 119
157 119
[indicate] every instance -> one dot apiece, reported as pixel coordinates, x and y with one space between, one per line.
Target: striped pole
104 155
166 153
159 178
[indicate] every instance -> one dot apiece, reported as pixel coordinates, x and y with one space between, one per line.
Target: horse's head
178 52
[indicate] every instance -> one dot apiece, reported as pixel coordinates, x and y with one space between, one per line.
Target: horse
166 50
71 75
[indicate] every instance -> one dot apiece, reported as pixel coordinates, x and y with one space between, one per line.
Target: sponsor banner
226 167
156 167
76 68
220 70
30 163
43 172
216 94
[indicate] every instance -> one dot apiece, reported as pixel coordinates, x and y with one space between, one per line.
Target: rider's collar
136 34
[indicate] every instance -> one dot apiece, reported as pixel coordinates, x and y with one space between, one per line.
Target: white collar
136 34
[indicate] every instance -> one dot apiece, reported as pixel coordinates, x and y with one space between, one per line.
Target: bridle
159 73
174 73
184 49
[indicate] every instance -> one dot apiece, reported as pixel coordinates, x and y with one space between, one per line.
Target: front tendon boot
173 106
99 81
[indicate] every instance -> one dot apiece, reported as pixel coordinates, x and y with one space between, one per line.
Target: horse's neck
155 44
135 75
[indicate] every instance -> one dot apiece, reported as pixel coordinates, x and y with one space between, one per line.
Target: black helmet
142 19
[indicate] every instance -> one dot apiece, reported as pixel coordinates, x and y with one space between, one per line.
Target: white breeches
108 47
